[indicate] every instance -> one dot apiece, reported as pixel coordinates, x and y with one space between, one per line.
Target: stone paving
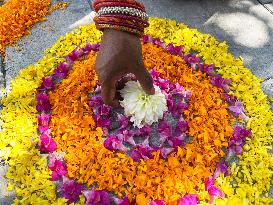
246 25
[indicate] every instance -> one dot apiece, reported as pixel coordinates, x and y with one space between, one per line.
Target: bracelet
122 18
123 10
123 24
97 4
122 15
112 4
120 28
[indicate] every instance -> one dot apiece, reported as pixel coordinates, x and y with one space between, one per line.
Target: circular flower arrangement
209 146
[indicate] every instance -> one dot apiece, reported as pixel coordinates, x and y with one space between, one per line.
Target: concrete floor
246 25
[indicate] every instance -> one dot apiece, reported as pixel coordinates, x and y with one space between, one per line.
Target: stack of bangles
123 15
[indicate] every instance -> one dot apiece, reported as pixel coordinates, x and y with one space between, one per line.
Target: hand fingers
145 80
108 93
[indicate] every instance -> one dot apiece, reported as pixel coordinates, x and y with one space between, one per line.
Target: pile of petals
142 142
14 26
244 182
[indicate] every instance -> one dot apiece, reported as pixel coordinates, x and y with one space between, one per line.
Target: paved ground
246 25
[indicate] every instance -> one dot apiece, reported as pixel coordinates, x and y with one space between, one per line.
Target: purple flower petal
208 69
146 152
57 167
157 202
127 136
190 199
136 156
47 83
231 99
164 152
95 102
125 201
97 197
220 82
215 191
105 110
158 42
55 176
71 190
101 121
209 183
47 144
61 71
170 48
112 143
123 121
43 122
192 60
145 131
164 131
71 57
238 110
147 39
221 167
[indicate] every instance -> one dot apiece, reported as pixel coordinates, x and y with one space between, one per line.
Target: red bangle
120 28
110 4
123 24
97 4
122 18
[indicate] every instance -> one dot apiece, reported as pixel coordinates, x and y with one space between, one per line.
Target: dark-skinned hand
120 54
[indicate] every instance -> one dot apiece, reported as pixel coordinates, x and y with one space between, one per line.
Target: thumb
145 80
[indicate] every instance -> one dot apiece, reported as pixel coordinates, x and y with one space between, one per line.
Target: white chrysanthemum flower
141 107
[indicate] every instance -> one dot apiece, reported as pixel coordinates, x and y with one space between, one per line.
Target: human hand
120 54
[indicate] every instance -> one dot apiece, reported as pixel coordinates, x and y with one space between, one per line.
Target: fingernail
152 91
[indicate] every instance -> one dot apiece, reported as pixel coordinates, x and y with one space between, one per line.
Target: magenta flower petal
164 131
47 144
96 197
105 110
158 42
222 167
238 110
182 126
192 59
95 101
155 74
43 122
231 99
55 176
61 71
220 82
146 152
71 57
215 191
164 152
126 136
101 121
209 183
147 39
48 83
190 199
57 167
208 69
136 156
123 121
157 202
170 48
112 143
145 131
43 104
71 190
125 201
